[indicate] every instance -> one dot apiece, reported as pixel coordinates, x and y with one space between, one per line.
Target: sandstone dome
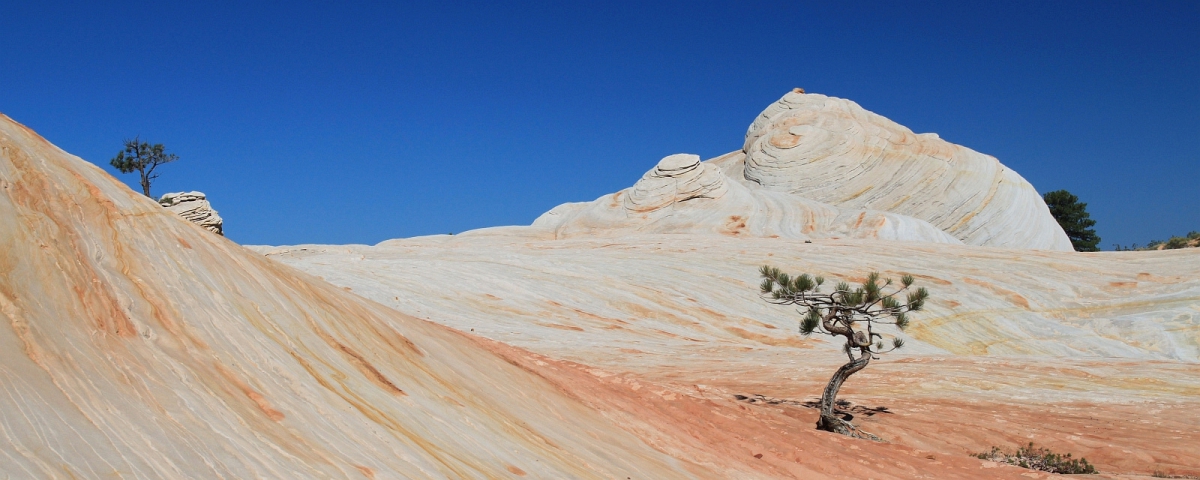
817 167
832 150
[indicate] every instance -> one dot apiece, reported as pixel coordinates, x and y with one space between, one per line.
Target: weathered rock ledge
195 208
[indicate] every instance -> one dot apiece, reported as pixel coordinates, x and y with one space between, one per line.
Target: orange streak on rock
259 401
1012 296
719 432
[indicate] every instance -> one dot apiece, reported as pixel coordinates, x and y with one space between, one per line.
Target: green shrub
1039 459
1176 242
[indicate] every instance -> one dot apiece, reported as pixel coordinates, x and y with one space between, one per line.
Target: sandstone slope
138 345
1093 354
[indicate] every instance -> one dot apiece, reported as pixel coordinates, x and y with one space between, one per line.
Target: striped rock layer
815 167
194 207
135 345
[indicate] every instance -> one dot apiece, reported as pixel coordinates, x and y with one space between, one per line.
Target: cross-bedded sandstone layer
138 345
821 167
1093 354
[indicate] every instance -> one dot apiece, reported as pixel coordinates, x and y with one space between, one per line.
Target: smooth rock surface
687 288
1070 350
832 150
135 345
683 195
194 207
817 167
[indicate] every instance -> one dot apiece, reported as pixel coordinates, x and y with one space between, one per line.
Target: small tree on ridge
849 313
144 158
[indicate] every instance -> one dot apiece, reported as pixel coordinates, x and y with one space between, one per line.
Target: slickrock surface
700 198
653 291
194 207
702 289
137 346
815 167
1092 354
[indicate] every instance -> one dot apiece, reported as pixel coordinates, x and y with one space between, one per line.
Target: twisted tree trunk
829 422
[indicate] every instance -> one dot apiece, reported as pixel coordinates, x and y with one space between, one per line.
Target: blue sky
327 123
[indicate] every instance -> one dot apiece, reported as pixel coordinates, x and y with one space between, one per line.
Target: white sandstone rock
668 293
821 167
195 208
834 151
676 178
683 195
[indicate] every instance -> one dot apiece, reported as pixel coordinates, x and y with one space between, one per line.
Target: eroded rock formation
819 167
653 288
677 178
194 207
834 151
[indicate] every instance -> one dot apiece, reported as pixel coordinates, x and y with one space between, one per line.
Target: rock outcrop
819 167
831 150
677 178
684 195
194 207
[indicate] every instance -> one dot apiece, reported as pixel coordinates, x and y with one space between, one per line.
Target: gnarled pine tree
845 312
144 158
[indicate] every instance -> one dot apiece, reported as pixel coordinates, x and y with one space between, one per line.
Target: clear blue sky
330 122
